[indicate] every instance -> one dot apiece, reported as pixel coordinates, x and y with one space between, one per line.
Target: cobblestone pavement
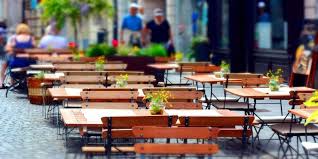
26 134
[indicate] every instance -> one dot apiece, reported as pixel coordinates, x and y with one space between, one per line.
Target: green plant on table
178 56
121 81
99 63
158 101
40 75
312 102
225 67
274 78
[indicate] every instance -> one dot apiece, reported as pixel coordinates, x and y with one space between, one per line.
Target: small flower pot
274 85
156 108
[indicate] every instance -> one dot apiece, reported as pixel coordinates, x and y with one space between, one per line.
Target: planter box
35 91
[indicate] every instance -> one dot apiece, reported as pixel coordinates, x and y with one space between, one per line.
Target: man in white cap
159 30
131 27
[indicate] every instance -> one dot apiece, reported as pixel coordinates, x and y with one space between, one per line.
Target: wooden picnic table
263 93
92 117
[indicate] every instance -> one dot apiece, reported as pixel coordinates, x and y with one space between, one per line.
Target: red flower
115 43
72 45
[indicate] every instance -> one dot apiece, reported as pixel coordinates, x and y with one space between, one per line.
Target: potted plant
153 50
225 68
76 54
96 50
158 101
99 63
200 48
274 79
121 81
312 102
35 91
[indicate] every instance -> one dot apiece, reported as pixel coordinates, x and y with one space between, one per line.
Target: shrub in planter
200 48
154 50
100 50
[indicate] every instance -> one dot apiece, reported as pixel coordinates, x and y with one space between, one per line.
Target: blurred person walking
159 31
131 27
52 39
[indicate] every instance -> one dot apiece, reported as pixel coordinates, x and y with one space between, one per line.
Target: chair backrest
83 79
128 122
175 132
114 66
109 105
153 132
205 69
298 97
188 66
254 82
236 78
83 86
134 79
72 67
85 73
180 98
109 95
88 67
116 73
227 124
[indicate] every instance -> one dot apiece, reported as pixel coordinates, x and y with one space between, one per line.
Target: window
271 27
199 18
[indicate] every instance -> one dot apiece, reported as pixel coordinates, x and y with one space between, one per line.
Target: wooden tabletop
164 66
92 117
205 78
42 67
261 93
136 86
303 113
75 92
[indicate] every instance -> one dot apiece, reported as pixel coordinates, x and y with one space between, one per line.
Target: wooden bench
121 128
236 126
153 132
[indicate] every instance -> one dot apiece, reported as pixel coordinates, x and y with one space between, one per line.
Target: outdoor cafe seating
117 119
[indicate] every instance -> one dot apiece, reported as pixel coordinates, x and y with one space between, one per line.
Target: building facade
258 35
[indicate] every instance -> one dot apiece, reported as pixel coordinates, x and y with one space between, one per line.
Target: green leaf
312 117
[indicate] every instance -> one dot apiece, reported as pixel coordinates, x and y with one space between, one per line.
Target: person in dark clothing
159 31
